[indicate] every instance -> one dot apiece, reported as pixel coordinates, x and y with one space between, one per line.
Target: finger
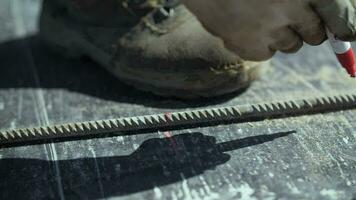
287 41
313 35
312 32
339 16
257 51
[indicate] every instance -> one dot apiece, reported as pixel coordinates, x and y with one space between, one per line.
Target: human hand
256 29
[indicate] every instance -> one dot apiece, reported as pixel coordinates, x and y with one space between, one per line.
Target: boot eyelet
162 14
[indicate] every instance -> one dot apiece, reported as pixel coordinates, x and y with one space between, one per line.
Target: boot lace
135 6
160 10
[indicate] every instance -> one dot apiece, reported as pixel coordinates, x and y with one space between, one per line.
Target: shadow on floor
27 63
157 162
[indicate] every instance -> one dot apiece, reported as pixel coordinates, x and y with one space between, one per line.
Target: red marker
344 53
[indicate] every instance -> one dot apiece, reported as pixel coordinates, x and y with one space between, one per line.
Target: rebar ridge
180 119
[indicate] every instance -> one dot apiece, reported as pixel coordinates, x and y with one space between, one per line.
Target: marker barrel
344 53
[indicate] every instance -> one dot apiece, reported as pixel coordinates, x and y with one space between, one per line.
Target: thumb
339 16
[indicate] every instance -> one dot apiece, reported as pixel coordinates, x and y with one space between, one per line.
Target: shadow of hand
163 161
176 153
157 162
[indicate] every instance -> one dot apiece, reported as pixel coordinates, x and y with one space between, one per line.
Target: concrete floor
307 157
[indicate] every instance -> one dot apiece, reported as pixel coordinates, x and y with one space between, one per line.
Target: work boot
154 45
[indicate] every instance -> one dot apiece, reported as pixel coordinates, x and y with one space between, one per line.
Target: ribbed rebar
180 119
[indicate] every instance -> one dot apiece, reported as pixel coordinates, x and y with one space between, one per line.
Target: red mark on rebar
168 116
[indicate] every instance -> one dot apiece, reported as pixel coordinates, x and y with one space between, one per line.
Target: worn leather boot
154 45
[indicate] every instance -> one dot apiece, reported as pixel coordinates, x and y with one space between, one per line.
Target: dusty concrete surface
309 157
